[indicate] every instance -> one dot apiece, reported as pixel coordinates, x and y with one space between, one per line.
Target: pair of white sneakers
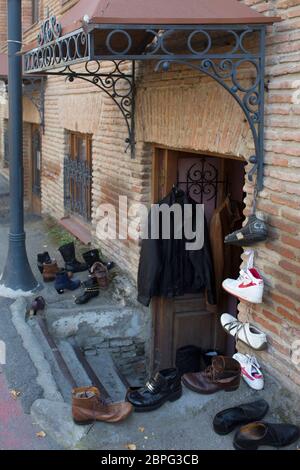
253 337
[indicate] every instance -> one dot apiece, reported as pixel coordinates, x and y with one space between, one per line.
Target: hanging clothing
166 268
227 218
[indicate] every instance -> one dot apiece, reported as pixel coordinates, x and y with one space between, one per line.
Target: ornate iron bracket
118 84
34 90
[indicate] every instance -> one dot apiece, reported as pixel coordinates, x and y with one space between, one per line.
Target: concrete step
50 353
104 368
71 368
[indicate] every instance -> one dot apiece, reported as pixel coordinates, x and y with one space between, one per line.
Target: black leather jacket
167 269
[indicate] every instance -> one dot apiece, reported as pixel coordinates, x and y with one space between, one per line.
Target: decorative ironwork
64 51
34 90
202 182
194 46
50 30
117 84
77 186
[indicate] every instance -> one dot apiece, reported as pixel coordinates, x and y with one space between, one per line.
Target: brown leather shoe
223 374
49 271
88 406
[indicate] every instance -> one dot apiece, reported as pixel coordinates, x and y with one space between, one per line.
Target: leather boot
71 263
164 386
91 290
223 374
100 272
88 406
49 271
93 256
41 259
63 282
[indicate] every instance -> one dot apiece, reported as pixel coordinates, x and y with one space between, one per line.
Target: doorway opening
217 182
35 179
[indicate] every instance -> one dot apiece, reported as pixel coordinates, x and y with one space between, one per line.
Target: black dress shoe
260 433
164 386
225 421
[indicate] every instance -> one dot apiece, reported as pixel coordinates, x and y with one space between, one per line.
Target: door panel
183 320
36 166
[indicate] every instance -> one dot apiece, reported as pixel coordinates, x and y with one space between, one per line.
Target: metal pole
17 274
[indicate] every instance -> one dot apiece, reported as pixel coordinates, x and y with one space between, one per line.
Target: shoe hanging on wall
245 332
255 231
227 420
88 406
253 435
164 386
223 374
67 251
250 371
249 286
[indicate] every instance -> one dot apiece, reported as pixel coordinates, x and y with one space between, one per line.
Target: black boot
164 386
188 359
91 257
41 259
91 290
71 263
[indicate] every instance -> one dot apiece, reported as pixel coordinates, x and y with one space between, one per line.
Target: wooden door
183 320
36 169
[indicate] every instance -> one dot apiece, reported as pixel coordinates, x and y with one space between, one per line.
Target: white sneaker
245 332
249 286
250 370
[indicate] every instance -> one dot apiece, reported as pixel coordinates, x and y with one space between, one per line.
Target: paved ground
17 430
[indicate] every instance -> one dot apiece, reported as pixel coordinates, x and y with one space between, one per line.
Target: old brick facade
184 110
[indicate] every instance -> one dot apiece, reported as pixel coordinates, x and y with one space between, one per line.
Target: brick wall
279 258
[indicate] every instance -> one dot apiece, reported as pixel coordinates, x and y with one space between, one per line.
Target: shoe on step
49 271
253 435
67 251
91 290
250 371
223 374
245 332
41 259
88 406
164 386
63 282
227 420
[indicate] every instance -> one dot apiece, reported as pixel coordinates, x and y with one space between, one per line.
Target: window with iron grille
78 175
35 11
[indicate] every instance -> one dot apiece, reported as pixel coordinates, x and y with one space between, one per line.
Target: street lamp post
17 274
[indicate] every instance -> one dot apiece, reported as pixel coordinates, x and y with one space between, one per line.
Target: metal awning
215 37
136 30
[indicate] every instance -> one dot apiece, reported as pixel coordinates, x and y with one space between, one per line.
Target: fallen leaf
41 434
141 429
15 394
131 446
